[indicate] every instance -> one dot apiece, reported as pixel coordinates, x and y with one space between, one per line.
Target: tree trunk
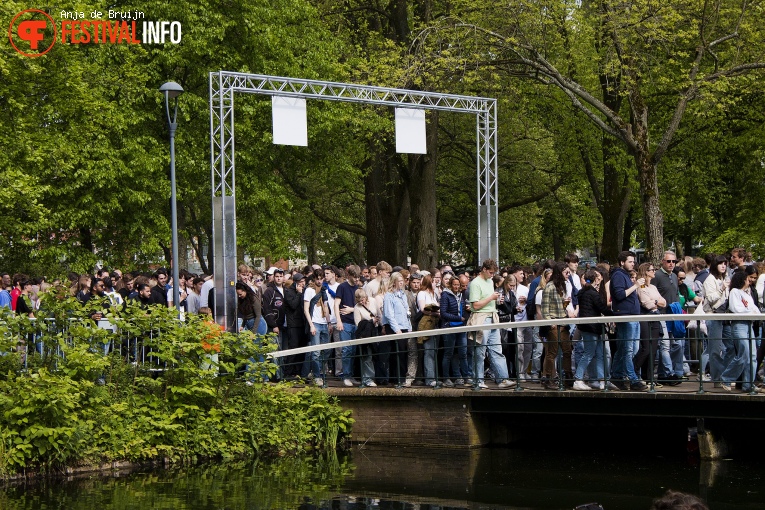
387 210
653 219
616 200
86 239
422 197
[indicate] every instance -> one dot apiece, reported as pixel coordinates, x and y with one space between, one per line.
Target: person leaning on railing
592 303
650 331
716 301
738 357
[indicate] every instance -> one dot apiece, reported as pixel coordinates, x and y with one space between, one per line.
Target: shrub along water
169 390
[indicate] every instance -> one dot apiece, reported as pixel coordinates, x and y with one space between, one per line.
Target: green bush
76 406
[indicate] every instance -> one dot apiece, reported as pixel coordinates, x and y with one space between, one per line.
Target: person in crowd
453 315
555 300
524 336
295 365
651 302
365 317
344 303
716 301
738 259
738 359
483 303
592 303
317 316
159 291
248 306
274 312
625 302
396 320
671 348
5 292
428 308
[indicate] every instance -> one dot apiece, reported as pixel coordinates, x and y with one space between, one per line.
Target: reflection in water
408 478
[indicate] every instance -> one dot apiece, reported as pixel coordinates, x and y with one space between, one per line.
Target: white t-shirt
425 298
318 312
204 294
331 302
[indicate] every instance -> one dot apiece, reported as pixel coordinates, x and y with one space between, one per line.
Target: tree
664 55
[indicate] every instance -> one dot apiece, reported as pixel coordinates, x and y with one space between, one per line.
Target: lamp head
171 89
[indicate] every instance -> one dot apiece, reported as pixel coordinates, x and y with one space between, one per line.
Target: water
408 478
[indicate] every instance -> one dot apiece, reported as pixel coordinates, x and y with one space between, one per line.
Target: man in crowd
483 302
274 312
671 349
345 300
624 299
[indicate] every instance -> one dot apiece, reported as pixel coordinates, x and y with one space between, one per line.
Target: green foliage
81 407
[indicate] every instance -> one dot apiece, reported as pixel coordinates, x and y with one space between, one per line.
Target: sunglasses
671 261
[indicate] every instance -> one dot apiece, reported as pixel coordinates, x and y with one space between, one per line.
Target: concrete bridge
462 418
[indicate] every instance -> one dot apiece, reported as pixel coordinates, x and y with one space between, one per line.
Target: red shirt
15 293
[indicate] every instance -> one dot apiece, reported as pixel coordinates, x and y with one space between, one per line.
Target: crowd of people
318 305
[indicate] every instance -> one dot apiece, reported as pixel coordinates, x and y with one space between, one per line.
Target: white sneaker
581 386
595 385
483 386
371 384
432 384
318 381
506 383
408 383
348 383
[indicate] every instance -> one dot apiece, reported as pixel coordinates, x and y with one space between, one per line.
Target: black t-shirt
347 296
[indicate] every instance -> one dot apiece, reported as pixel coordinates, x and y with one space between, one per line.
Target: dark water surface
410 478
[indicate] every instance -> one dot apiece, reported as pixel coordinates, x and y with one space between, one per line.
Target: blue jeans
676 349
738 359
715 351
348 333
592 355
493 347
622 365
455 366
430 348
319 357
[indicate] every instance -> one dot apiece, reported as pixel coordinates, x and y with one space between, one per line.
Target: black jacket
591 304
293 301
273 307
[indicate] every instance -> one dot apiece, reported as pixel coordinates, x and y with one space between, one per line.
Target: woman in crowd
453 314
507 308
554 303
716 300
650 303
543 330
366 319
396 320
248 306
428 305
82 290
738 359
592 303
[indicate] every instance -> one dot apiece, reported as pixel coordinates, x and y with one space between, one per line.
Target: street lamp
172 90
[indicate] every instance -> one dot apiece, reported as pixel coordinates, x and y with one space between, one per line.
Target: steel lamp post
171 91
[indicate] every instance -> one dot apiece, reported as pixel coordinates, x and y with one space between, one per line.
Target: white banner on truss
290 121
410 131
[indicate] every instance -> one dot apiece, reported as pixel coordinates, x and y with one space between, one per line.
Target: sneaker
370 384
468 382
618 385
318 381
548 384
534 378
448 383
638 386
348 383
483 386
408 383
725 386
506 383
657 384
433 384
459 382
706 378
597 385
580 386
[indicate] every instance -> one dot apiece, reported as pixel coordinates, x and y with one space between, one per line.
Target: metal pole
174 213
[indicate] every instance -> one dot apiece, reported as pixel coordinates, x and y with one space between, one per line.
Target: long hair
546 274
642 271
393 282
738 280
427 284
558 279
713 269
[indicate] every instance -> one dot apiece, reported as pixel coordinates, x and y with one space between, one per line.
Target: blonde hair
393 281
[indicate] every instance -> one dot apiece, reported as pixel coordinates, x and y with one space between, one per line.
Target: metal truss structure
223 85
